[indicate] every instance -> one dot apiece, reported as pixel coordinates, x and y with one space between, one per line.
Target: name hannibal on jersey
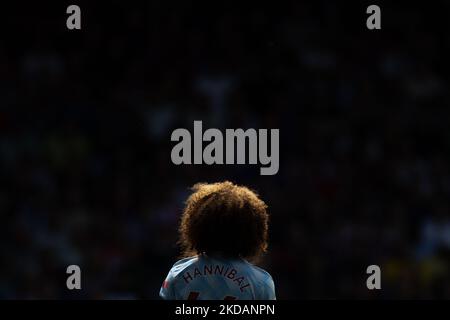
206 278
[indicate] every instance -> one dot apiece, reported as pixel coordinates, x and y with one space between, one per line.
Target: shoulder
265 282
260 273
168 289
182 265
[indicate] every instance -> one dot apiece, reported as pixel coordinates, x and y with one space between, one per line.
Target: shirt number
193 295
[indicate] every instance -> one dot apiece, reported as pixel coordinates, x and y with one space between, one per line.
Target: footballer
222 228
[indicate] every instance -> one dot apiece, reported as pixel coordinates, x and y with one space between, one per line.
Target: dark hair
226 219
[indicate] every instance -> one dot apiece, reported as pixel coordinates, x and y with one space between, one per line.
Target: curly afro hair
224 219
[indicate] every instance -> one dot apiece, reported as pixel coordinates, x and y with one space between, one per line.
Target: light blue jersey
206 278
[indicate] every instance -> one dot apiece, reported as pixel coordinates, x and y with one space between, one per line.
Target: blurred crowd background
85 124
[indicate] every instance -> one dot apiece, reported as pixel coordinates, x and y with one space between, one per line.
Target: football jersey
207 278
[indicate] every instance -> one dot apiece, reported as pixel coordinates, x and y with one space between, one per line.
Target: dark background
86 117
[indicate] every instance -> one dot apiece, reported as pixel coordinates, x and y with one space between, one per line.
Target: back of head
224 219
